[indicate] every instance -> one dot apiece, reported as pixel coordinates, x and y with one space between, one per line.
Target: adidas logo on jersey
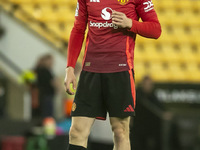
98 1
149 6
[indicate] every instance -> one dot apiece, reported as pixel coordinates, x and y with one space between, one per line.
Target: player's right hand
70 79
120 19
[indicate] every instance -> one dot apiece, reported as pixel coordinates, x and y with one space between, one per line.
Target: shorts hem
89 116
123 116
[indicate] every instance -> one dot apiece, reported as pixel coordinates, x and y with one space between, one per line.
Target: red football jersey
110 48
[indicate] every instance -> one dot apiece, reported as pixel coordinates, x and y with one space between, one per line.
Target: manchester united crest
123 2
74 107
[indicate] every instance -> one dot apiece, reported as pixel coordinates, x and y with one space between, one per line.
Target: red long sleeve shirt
108 47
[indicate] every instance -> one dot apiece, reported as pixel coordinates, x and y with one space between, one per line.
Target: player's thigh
120 125
119 90
88 101
81 126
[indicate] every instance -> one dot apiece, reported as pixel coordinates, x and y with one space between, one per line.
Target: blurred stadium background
32 28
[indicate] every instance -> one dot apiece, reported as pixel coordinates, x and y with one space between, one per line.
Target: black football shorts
99 93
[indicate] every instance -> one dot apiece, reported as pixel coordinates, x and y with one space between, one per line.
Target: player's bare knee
120 130
77 133
73 133
119 134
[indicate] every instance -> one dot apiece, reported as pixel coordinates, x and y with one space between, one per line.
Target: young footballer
106 83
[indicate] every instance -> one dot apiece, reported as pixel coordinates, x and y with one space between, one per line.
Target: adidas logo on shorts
129 109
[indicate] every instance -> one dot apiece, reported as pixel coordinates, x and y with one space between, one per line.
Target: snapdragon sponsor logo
104 25
106 14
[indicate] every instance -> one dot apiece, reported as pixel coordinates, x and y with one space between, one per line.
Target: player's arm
75 44
150 27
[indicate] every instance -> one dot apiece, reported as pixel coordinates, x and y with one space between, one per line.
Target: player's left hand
121 20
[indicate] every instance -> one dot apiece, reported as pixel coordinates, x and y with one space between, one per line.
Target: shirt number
149 6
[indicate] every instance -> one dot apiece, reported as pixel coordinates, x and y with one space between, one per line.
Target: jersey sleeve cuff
70 65
134 26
